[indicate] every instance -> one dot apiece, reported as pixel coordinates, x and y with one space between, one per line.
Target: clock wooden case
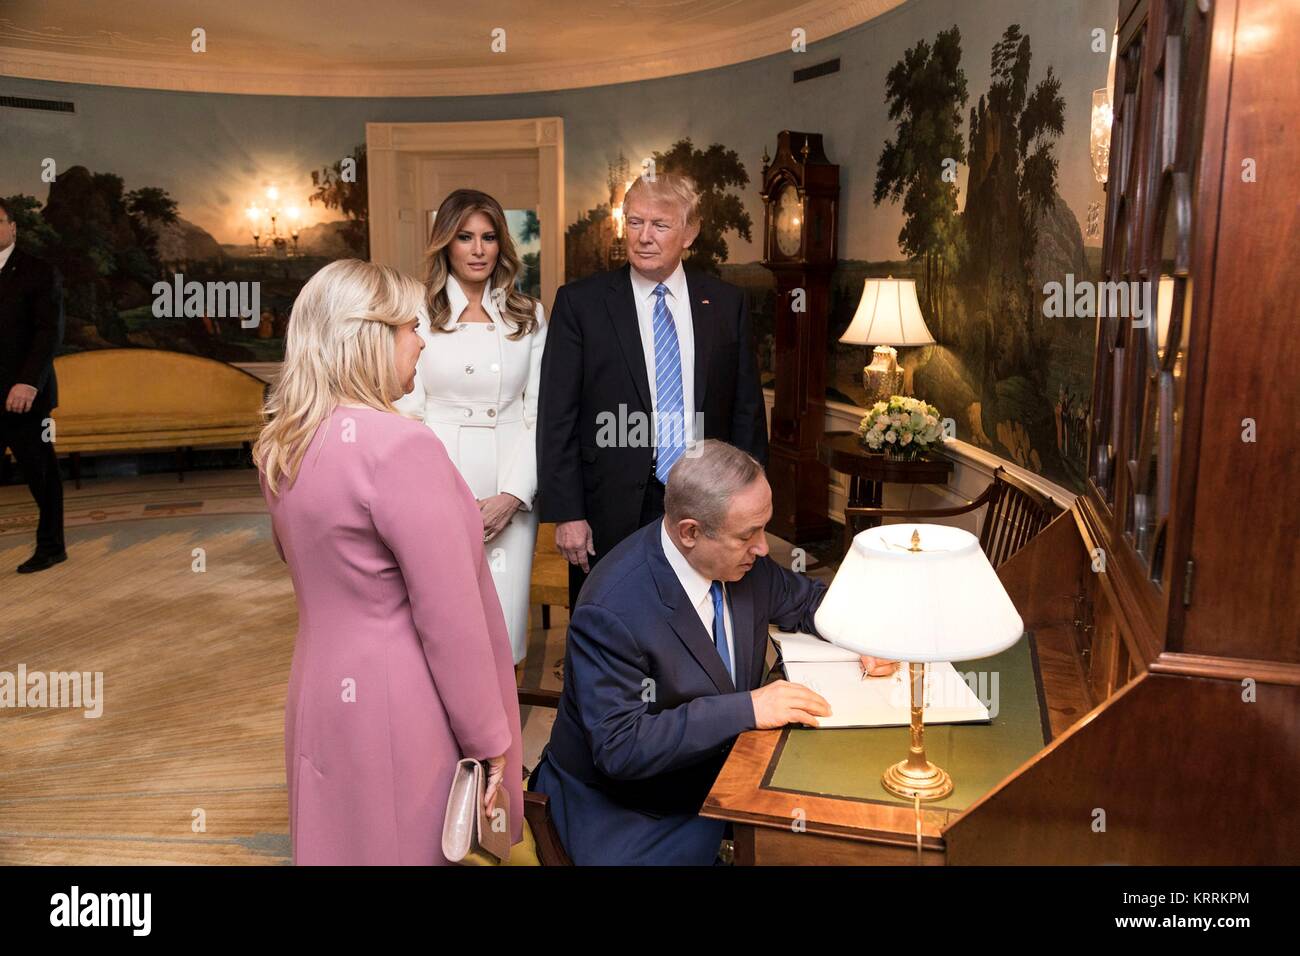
800 192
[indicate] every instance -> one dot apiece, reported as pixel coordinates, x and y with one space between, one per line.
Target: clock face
789 222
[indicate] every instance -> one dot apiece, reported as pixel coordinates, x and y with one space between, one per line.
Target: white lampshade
943 603
888 314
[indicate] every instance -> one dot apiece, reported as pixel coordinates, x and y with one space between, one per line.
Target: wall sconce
1102 117
276 242
618 248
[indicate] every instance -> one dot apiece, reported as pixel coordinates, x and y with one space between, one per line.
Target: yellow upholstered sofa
120 400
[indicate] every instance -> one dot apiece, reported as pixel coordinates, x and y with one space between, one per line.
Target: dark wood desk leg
852 499
743 838
875 495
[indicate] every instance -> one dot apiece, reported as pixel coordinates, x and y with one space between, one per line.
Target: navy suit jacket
31 329
594 365
649 712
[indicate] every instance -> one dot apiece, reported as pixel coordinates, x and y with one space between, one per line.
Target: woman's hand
496 768
497 512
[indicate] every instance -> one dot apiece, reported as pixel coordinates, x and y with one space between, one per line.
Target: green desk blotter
846 763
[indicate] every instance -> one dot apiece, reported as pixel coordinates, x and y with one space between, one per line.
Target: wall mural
980 246
1016 383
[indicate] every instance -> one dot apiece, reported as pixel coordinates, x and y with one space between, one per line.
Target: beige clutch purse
469 836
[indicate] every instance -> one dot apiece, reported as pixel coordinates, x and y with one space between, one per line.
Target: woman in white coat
476 385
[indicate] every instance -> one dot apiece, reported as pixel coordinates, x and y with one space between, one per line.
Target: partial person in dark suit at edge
651 343
31 329
664 668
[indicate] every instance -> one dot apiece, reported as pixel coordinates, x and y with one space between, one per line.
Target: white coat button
492 413
469 412
496 367
491 326
469 369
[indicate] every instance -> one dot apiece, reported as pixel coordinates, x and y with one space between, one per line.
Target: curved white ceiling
402 47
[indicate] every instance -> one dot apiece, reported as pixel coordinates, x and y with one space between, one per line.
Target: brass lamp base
916 776
928 782
883 377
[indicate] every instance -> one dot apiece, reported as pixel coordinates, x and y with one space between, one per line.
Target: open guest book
836 674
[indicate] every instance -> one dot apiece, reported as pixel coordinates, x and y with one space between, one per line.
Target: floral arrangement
902 427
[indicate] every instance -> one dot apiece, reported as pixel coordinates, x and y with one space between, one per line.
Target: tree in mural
980 270
102 241
37 235
587 242
343 187
925 92
1012 181
152 205
715 171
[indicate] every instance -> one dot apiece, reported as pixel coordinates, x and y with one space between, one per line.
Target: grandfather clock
800 193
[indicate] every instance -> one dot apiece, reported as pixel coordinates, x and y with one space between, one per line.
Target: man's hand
573 540
782 702
877 666
20 398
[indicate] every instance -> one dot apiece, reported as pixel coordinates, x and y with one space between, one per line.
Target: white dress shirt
678 301
697 588
7 251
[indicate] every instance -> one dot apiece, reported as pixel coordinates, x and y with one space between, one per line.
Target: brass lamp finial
916 541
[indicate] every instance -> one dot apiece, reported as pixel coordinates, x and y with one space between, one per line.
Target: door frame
392 217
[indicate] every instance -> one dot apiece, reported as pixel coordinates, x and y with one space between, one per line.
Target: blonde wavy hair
518 308
338 348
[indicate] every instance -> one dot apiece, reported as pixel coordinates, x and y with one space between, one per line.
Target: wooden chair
550 583
537 811
1016 513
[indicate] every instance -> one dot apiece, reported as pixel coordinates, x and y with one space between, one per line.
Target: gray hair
703 481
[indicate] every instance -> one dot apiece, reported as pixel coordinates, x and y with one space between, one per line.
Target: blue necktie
670 426
720 627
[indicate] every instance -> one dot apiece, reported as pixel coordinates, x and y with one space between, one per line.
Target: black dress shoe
39 562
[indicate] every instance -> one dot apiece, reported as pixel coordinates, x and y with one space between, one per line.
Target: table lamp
918 593
888 315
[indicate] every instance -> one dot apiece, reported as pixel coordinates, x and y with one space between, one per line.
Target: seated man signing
663 669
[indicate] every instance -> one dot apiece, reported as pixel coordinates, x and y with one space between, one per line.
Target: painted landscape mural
963 150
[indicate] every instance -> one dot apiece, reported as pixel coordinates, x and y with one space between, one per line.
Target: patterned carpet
174 592
186 762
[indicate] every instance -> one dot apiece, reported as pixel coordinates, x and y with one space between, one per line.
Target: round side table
868 471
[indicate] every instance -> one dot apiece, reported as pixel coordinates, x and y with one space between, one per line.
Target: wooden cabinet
1168 601
1202 224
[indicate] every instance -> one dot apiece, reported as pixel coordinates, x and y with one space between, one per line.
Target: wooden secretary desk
1164 607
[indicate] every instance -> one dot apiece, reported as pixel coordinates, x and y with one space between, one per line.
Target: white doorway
411 168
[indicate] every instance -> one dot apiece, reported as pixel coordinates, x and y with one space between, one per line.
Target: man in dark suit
31 328
653 695
639 363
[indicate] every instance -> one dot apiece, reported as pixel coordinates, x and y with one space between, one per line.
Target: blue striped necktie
720 628
670 425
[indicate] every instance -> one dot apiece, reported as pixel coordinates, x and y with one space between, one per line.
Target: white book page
885 701
800 646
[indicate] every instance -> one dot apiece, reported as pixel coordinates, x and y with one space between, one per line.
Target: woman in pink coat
402 663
